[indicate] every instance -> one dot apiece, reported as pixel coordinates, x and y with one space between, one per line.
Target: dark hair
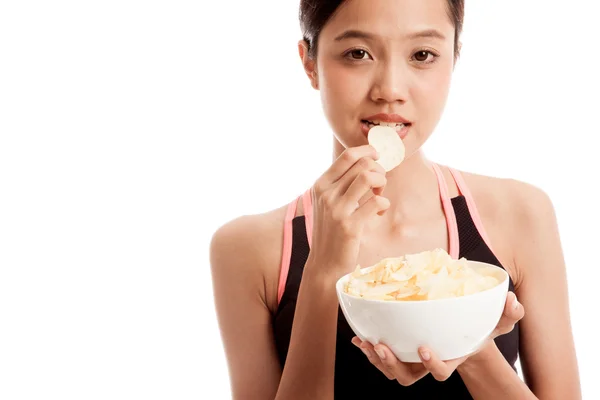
314 14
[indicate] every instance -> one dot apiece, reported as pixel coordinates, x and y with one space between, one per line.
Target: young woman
274 274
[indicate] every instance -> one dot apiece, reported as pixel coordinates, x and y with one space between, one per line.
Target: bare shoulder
523 200
248 249
523 193
512 210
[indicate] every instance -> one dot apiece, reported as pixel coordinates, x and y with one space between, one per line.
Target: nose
391 84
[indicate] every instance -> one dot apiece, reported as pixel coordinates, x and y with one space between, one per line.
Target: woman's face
389 57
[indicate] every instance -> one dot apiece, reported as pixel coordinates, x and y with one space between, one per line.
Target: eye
357 54
422 57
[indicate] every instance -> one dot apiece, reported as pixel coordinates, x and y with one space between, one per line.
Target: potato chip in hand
389 146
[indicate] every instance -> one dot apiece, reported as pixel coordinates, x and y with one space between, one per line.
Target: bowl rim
503 283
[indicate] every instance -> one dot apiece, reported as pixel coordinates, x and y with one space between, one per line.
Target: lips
382 117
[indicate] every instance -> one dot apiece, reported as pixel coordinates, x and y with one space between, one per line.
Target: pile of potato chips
423 276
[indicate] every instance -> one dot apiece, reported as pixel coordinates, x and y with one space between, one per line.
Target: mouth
395 125
401 128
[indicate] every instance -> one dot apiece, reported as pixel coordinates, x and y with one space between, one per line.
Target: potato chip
407 292
389 146
427 275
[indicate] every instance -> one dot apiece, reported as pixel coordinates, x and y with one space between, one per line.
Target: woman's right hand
345 198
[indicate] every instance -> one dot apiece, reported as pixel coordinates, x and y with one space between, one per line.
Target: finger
363 184
378 191
440 370
513 313
367 196
375 205
346 160
374 191
362 165
369 351
406 373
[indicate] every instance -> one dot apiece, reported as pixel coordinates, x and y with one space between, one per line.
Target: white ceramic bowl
451 328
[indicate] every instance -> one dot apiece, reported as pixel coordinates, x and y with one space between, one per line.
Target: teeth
390 124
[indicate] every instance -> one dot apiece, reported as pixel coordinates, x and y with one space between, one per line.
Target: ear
458 49
309 64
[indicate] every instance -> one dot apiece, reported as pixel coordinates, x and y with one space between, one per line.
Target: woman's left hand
408 373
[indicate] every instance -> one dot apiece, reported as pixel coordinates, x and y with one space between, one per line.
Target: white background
130 131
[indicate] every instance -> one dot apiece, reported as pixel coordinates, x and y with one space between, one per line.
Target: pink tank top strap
308 214
464 190
453 240
287 247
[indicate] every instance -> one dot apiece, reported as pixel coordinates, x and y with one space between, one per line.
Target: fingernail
425 355
515 304
380 353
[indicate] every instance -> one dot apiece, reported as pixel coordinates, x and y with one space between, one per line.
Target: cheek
432 92
341 92
429 96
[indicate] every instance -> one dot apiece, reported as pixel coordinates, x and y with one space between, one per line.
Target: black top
355 376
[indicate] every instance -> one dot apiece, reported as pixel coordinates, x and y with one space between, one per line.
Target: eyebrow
356 34
429 33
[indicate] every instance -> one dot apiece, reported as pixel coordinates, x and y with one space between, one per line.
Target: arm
488 376
309 369
548 356
547 350
242 312
238 253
